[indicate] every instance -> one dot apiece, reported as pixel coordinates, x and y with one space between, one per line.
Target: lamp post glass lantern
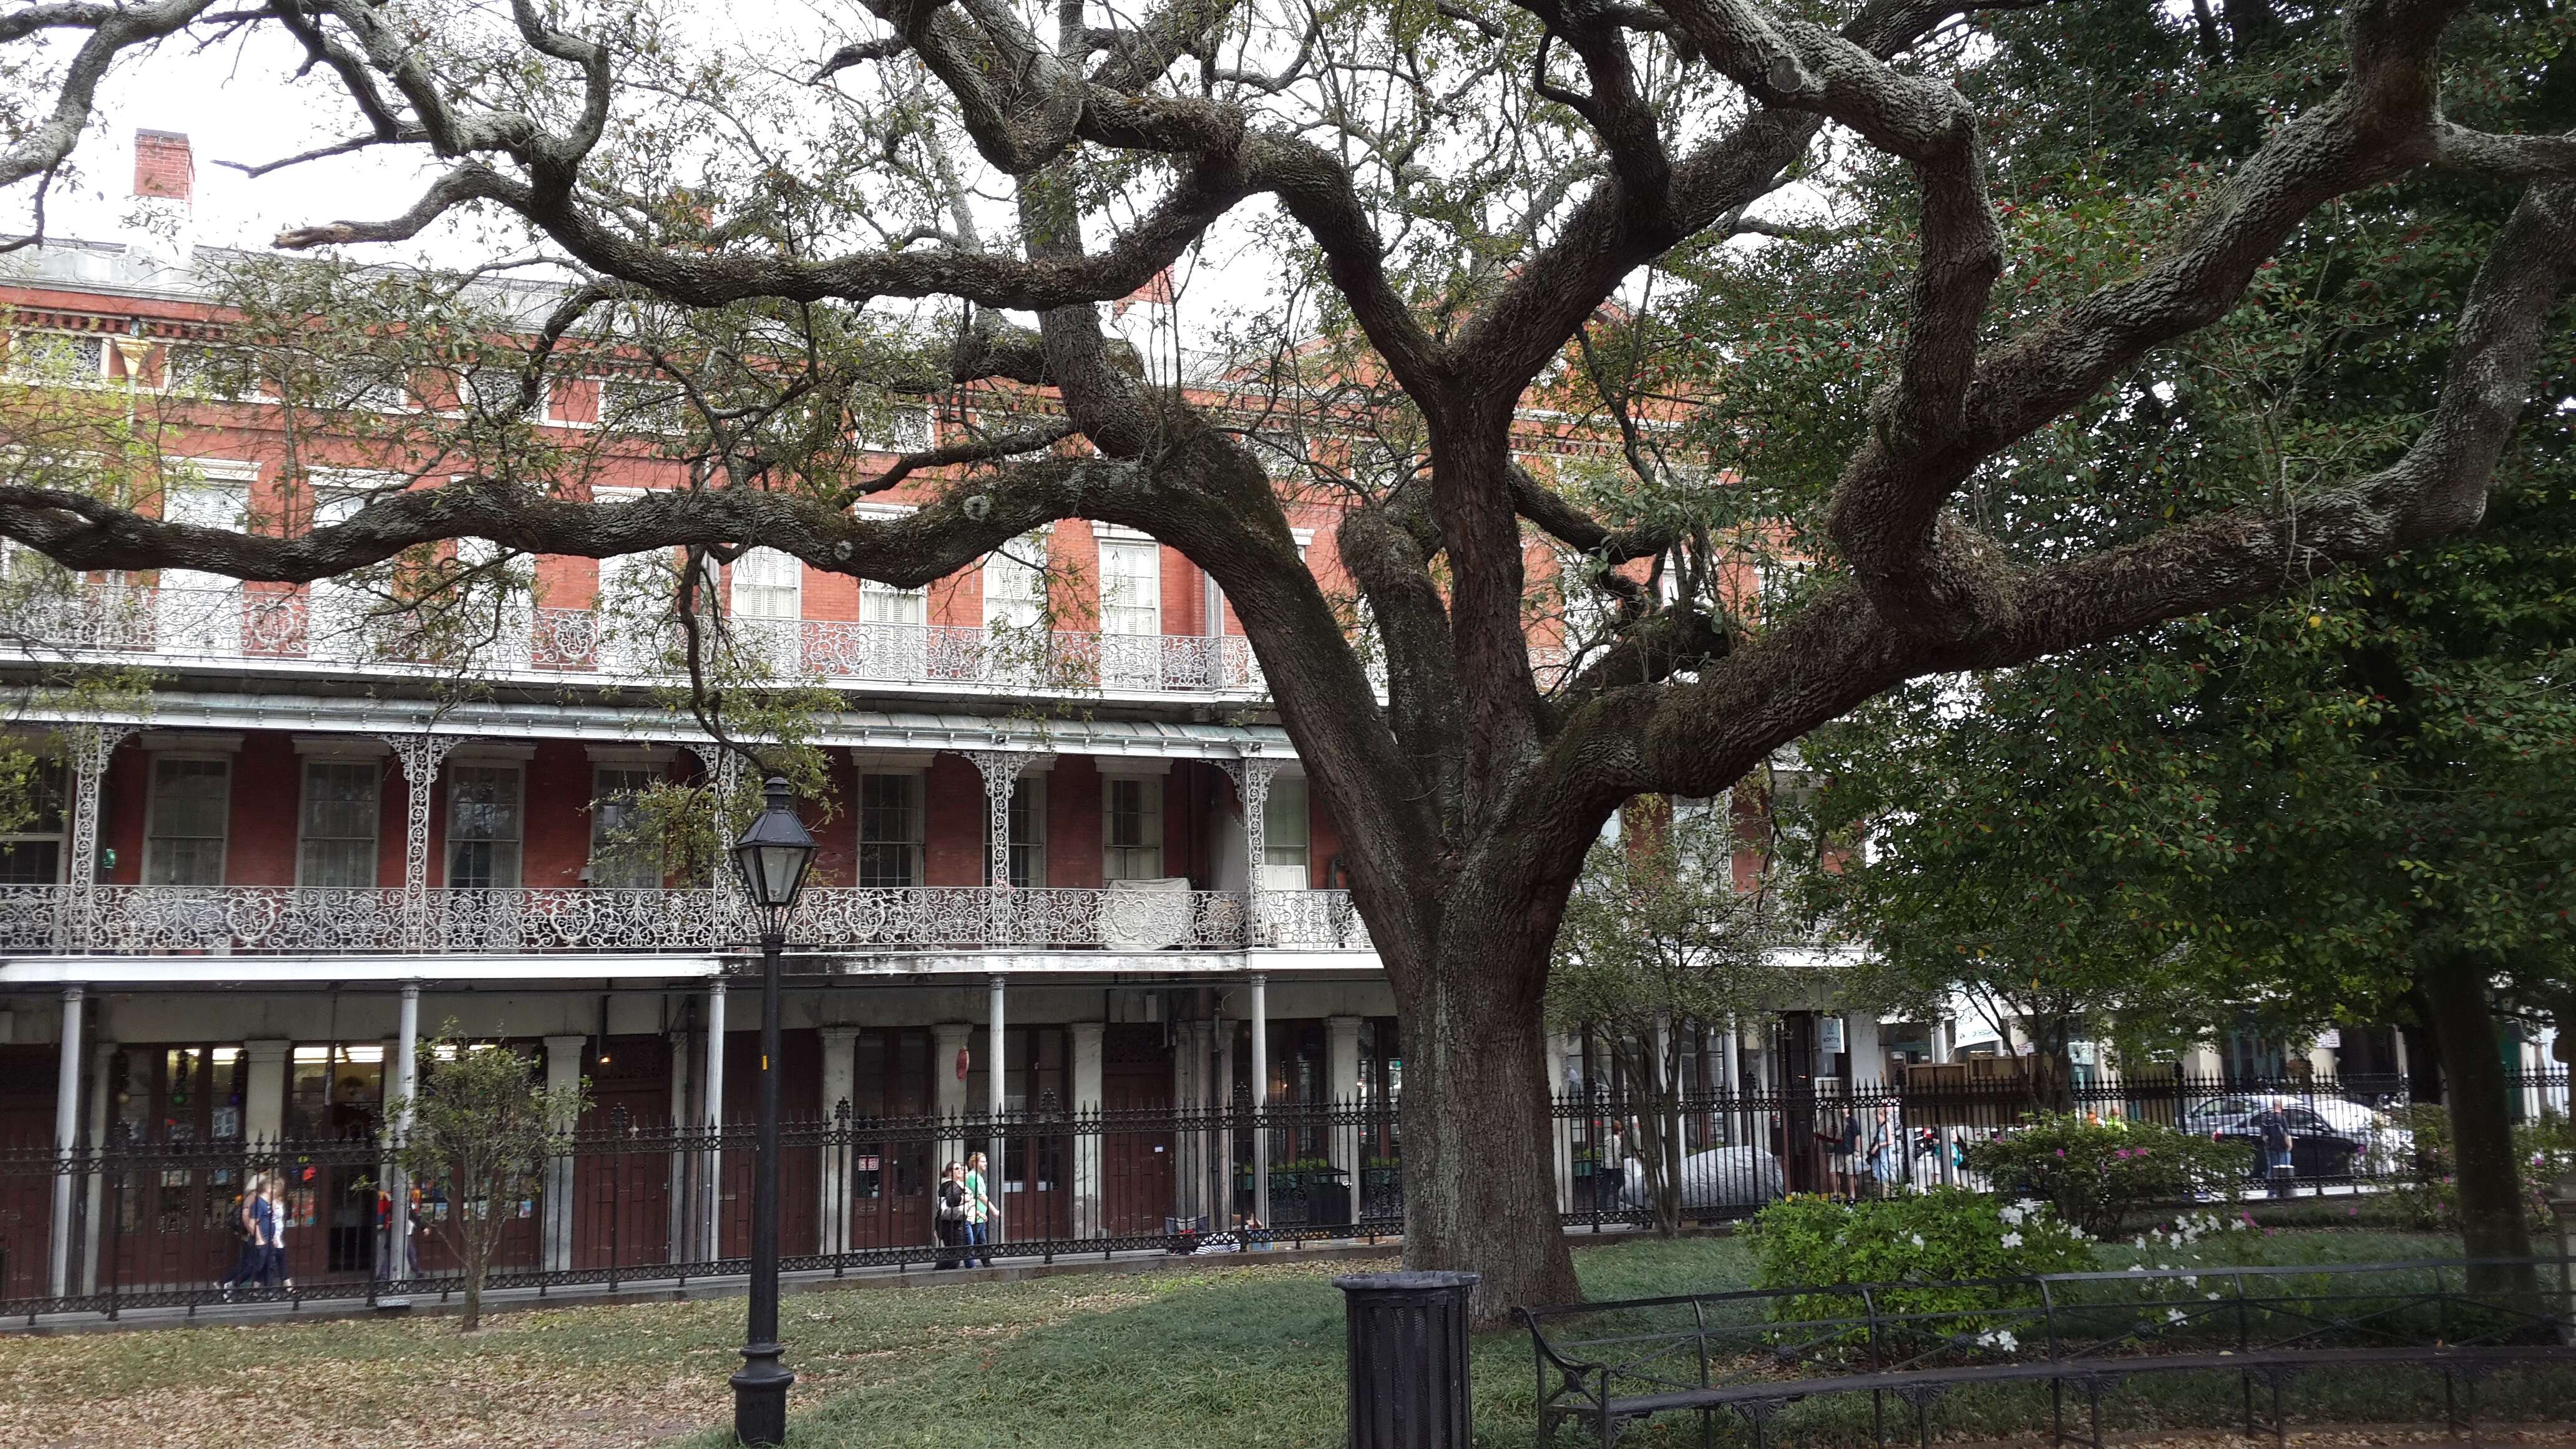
773 856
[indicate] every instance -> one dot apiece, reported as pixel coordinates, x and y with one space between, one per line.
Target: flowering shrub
1927 1239
2096 1174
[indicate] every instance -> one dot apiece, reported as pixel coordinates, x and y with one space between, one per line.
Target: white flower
2012 1240
2012 1216
2137 1267
2211 1295
2140 1244
2000 1339
1918 1240
2173 1315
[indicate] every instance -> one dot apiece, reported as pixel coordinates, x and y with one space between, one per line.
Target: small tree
1659 937
483 1124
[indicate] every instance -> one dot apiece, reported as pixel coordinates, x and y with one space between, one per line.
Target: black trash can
1408 1359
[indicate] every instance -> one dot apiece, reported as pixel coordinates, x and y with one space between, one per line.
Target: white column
421 756
1343 1102
406 1086
563 1074
1734 1086
1190 1150
102 1060
1564 1057
264 1092
840 1083
713 1100
1260 1094
997 1074
676 1233
1868 1055
1088 1145
947 1039
1221 1093
67 1084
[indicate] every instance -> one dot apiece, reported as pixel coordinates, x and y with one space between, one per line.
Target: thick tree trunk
1479 1173
2492 1224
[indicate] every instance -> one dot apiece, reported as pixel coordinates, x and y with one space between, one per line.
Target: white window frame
152 853
304 764
1295 874
653 772
60 835
916 848
907 428
1128 542
1028 594
487 761
743 585
17 372
1150 786
1029 799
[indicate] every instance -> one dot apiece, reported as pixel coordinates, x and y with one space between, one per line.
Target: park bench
1604 1366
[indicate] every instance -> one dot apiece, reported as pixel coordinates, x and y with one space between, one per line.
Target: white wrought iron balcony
318 630
128 920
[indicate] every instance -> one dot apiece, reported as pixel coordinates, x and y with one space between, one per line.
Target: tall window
1015 584
768 584
1131 587
339 825
1028 831
201 613
483 827
33 853
1284 839
889 830
886 604
190 800
1132 827
618 861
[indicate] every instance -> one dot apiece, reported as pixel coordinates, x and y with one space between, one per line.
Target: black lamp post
773 856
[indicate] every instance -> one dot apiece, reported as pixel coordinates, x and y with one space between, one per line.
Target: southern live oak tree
1470 186
2352 805
2360 804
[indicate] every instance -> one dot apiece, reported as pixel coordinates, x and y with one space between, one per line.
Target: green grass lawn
1225 1361
1241 1352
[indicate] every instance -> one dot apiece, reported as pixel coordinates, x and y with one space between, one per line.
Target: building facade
1065 867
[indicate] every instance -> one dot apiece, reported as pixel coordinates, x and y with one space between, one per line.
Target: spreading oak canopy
1463 193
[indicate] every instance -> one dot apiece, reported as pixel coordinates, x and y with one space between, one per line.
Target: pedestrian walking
253 1251
2272 1126
948 1213
980 1210
273 1272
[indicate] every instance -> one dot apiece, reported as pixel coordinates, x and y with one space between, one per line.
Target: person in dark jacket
949 1205
2272 1129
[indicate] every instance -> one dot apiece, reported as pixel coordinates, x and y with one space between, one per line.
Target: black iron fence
632 1201
1602 1367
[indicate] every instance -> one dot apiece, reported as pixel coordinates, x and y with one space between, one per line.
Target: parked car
1721 1177
2318 1152
2381 1144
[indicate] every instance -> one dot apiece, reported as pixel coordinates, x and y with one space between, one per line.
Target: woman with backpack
253 1258
949 1205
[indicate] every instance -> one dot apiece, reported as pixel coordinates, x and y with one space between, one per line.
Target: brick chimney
164 165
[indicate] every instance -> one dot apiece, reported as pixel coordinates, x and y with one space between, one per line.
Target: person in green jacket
980 1212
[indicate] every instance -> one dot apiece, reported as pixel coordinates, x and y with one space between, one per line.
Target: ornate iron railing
151 1224
315 920
254 624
